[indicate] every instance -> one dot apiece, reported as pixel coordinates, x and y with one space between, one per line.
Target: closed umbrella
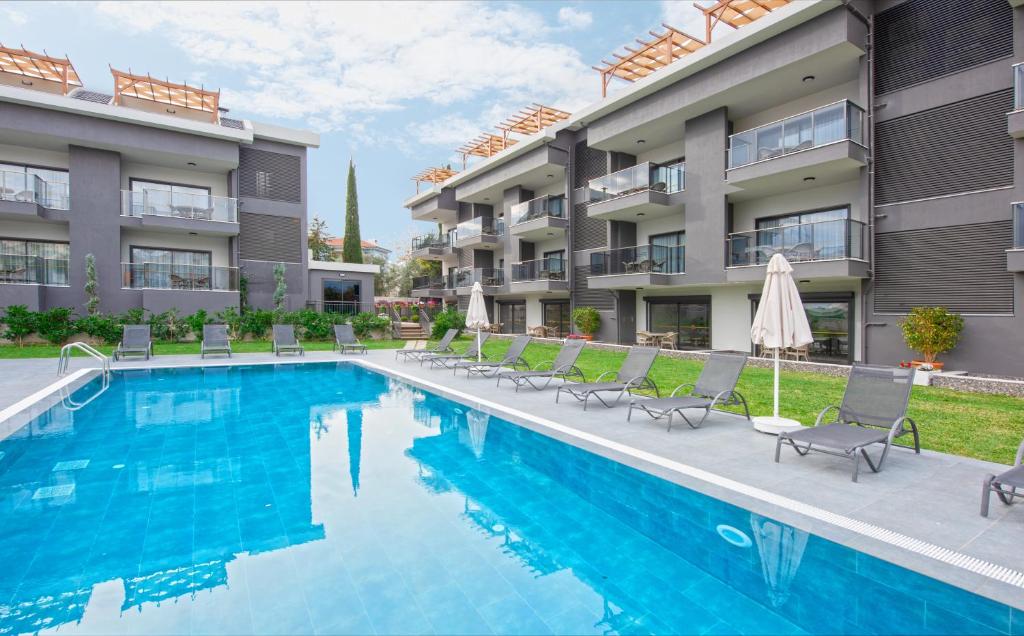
780 322
476 315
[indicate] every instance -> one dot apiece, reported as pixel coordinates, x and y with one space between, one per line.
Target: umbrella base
775 425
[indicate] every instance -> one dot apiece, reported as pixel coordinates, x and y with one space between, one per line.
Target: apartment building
878 145
177 202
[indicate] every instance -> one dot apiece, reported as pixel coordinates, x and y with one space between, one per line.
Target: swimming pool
325 497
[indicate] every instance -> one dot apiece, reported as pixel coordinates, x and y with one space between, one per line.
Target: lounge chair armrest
898 427
640 381
542 363
598 378
679 388
1020 454
824 411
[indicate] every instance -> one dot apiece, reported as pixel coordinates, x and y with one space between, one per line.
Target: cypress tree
352 249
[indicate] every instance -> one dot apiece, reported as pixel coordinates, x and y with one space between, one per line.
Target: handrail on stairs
65 357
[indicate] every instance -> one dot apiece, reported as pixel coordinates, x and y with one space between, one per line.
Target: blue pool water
326 498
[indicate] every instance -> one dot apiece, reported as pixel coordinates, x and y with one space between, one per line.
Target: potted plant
587 320
931 331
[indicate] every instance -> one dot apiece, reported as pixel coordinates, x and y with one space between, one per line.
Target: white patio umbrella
476 315
780 322
781 548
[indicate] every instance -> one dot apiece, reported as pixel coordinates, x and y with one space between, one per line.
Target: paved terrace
932 498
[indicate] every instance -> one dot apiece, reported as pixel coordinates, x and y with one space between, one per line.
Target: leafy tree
395 279
587 320
56 325
931 331
281 289
20 323
92 287
450 318
317 240
352 248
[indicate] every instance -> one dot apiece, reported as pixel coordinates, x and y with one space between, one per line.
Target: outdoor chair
1005 485
562 367
285 341
797 353
512 358
715 387
631 376
444 345
135 341
873 411
215 340
345 340
448 360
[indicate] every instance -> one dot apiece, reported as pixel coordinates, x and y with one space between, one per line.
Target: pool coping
989 580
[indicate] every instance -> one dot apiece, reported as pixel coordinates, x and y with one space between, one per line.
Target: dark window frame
822 297
132 180
695 299
848 207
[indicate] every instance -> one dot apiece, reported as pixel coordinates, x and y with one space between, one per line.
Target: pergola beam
39 66
165 92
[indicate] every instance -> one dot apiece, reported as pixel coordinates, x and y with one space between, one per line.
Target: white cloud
13 16
573 18
337 66
683 16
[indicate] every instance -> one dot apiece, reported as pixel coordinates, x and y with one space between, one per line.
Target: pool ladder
65 357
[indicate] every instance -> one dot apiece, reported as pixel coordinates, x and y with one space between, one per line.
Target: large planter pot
936 366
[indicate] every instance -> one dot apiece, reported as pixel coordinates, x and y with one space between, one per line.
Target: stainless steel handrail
65 357
71 405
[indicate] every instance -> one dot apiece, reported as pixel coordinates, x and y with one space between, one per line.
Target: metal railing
818 241
343 307
1018 86
539 269
538 208
1018 225
838 121
185 277
639 178
65 357
432 282
30 188
33 270
480 226
486 276
428 241
640 259
182 205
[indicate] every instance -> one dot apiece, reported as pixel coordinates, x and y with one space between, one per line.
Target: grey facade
877 144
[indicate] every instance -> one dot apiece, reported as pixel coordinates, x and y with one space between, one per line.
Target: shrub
280 287
104 327
133 317
587 320
20 323
445 320
56 325
196 322
317 326
92 287
931 331
256 323
168 325
366 322
232 319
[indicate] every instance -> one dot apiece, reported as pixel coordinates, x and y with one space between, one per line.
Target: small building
371 249
344 288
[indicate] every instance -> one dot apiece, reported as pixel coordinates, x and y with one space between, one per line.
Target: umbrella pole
775 387
479 357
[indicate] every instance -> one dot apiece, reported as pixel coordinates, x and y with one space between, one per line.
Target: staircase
410 331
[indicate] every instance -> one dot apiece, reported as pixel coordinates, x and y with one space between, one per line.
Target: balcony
823 249
433 287
1015 118
178 277
644 190
431 247
481 232
1015 255
540 275
19 269
491 279
639 266
442 208
30 195
179 210
539 219
826 143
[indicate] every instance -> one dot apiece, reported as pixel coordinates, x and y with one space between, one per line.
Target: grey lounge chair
631 376
874 411
345 339
215 340
444 345
1005 485
449 360
512 358
285 341
562 367
715 387
135 341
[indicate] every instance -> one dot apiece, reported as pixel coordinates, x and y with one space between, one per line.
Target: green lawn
183 348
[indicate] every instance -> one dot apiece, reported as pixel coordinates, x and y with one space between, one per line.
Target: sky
396 86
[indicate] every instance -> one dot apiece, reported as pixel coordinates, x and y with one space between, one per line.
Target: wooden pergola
433 175
485 145
736 13
531 119
39 66
146 87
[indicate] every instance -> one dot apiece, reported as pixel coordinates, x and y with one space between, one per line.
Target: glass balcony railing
33 270
432 282
538 208
638 178
488 277
429 241
825 125
539 269
641 259
1018 225
1018 86
480 226
185 277
182 205
30 188
819 241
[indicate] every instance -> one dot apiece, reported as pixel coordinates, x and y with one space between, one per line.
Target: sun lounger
874 411
449 360
215 340
631 376
1005 484
715 387
135 341
444 345
345 340
513 358
562 367
285 341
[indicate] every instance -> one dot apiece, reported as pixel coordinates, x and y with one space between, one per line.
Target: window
669 247
689 317
160 268
33 262
341 296
53 191
263 185
554 263
512 317
818 235
165 199
830 317
556 318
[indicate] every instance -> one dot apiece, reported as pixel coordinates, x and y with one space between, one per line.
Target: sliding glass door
512 317
556 318
689 317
